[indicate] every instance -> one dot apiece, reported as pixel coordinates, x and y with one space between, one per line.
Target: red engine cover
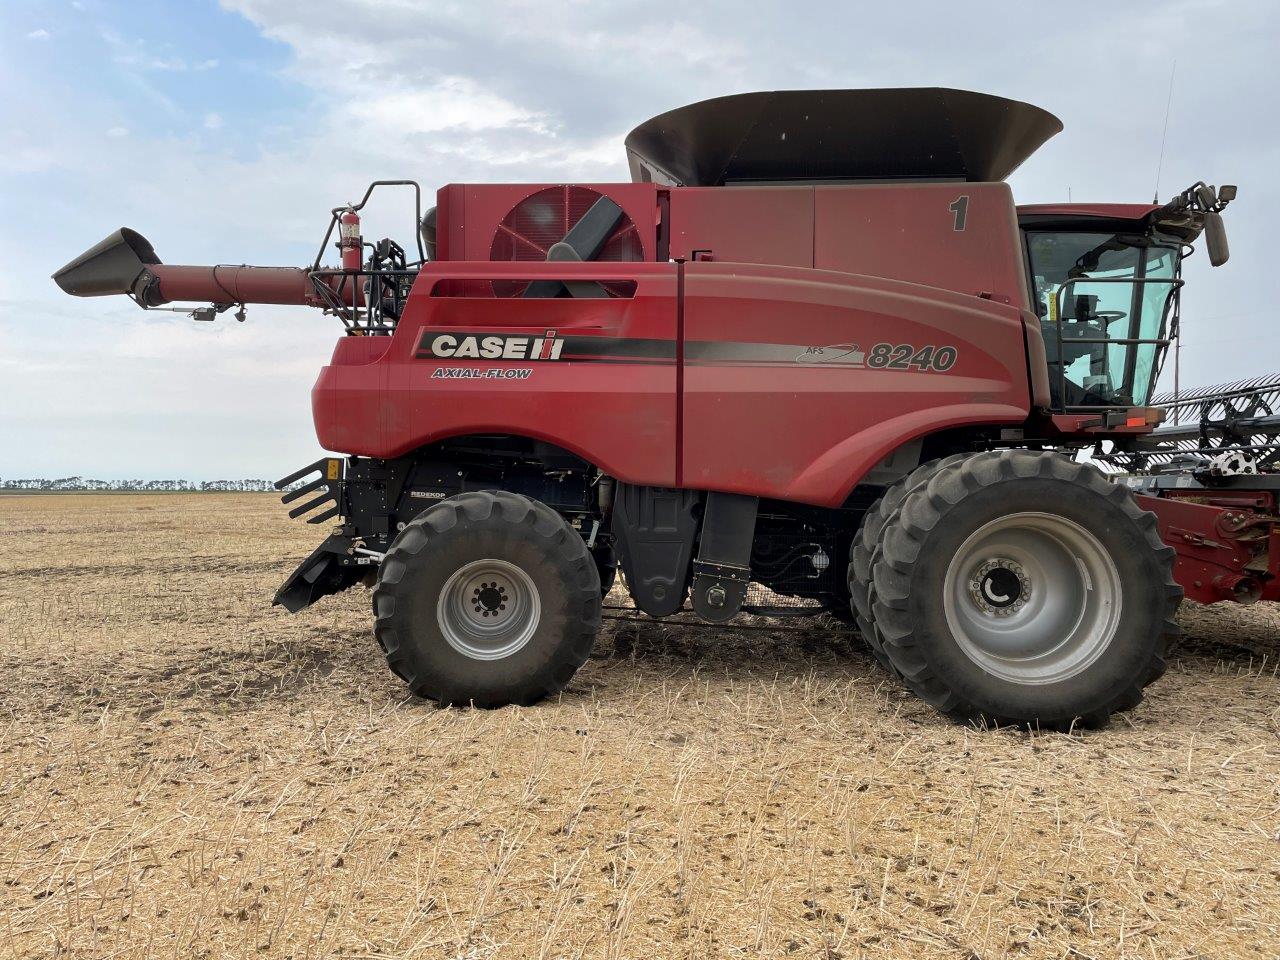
781 381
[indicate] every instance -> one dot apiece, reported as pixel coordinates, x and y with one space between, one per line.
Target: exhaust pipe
126 263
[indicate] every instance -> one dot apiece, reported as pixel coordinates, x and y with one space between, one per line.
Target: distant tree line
157 486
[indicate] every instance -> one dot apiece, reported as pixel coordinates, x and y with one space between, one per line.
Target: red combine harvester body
661 360
812 359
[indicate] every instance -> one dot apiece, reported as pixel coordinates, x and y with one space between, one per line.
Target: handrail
1175 283
417 216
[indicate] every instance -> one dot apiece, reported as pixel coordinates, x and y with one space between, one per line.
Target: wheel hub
490 599
1000 587
488 609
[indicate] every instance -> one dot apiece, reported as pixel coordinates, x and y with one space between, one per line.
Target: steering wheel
1101 317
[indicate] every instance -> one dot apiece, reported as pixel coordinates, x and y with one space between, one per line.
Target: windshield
1104 301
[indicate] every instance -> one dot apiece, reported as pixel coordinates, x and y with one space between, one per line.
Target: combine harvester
812 358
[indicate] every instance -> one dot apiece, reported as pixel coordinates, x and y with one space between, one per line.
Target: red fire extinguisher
349 240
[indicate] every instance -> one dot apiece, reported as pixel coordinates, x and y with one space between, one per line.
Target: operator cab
1105 300
1105 281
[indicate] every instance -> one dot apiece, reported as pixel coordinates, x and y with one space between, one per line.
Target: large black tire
863 550
1048 675
513 558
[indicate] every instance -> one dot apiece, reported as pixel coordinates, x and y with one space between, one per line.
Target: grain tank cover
812 136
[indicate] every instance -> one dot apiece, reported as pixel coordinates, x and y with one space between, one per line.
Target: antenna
1155 197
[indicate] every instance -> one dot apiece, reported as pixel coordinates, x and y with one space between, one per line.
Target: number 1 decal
961 209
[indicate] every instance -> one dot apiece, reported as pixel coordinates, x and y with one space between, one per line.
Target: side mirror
1226 193
1215 239
1206 195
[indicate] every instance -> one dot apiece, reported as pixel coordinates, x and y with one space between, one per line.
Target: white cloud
213 121
41 34
450 103
117 132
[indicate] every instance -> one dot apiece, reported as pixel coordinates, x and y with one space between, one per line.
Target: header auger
813 358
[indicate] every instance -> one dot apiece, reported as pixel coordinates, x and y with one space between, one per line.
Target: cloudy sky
224 132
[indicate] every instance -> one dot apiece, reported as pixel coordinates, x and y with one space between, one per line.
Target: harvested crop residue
186 772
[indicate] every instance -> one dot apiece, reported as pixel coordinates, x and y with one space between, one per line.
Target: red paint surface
778 429
896 231
809 433
1109 211
1220 537
909 233
620 416
245 284
772 225
232 284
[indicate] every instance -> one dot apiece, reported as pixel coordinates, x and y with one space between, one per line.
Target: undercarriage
783 558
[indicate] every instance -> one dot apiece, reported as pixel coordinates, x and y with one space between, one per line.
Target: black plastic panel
654 530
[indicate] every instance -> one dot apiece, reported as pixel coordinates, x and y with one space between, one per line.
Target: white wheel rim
488 609
1032 598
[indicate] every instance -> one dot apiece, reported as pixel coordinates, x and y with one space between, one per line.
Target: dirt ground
187 772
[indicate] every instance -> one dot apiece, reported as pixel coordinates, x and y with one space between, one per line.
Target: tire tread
939 487
537 520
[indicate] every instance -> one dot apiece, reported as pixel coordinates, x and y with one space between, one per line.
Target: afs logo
467 345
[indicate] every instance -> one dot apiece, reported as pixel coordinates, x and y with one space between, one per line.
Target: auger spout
125 263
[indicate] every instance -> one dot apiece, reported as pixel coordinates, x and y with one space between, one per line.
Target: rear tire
1023 587
488 599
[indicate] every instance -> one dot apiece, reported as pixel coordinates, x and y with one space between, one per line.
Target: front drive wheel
1023 587
488 599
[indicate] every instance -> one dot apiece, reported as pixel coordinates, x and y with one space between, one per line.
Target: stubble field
187 772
